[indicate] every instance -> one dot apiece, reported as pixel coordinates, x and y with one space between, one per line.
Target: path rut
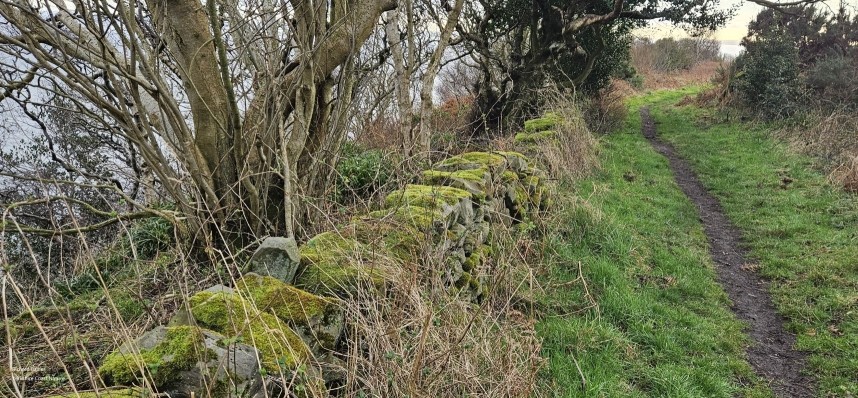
771 353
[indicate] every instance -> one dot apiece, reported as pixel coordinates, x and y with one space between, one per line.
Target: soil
771 352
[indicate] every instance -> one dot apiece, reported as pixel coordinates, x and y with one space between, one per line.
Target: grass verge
802 232
631 305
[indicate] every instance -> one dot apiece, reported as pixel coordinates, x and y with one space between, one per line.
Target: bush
361 172
802 50
834 79
769 77
605 112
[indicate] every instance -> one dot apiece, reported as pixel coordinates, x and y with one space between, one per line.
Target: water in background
731 49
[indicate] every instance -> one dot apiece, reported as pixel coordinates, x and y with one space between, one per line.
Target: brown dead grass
828 137
700 73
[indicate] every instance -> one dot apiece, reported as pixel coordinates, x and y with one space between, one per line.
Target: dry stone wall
254 338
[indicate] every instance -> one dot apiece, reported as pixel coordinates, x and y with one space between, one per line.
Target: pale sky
735 28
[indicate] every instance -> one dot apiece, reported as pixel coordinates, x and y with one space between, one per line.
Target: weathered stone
318 320
220 289
278 257
516 162
383 229
332 265
280 348
184 360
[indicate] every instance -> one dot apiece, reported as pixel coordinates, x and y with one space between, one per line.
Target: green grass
803 232
661 325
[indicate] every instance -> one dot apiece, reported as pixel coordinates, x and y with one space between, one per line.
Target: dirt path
771 352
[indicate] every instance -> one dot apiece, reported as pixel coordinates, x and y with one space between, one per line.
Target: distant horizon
735 29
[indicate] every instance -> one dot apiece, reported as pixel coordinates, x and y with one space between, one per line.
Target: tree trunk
402 69
424 141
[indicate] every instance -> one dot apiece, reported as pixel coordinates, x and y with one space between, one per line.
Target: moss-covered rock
396 230
428 196
332 265
189 360
475 181
280 348
318 320
530 138
474 261
547 122
472 160
417 217
538 192
163 356
471 287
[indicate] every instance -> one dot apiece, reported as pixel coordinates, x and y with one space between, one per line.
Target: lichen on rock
333 265
280 348
163 355
318 320
547 122
534 137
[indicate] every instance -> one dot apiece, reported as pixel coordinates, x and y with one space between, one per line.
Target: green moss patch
401 235
480 175
318 319
288 303
181 348
548 122
337 266
411 216
472 160
229 314
428 196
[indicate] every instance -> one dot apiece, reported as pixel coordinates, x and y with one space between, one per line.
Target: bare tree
415 59
230 104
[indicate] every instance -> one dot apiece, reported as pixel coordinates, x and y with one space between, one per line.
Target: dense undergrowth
422 337
631 306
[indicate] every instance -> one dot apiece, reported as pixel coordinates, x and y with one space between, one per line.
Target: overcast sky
736 28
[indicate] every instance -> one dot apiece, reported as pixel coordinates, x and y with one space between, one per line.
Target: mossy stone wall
448 217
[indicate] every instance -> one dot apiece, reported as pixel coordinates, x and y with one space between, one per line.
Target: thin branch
19 84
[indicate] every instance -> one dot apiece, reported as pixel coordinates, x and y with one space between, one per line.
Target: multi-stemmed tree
229 105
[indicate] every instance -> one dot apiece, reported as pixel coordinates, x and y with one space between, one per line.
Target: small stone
277 257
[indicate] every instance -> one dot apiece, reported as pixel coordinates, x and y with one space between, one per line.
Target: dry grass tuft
575 153
829 137
607 111
700 73
846 175
422 341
